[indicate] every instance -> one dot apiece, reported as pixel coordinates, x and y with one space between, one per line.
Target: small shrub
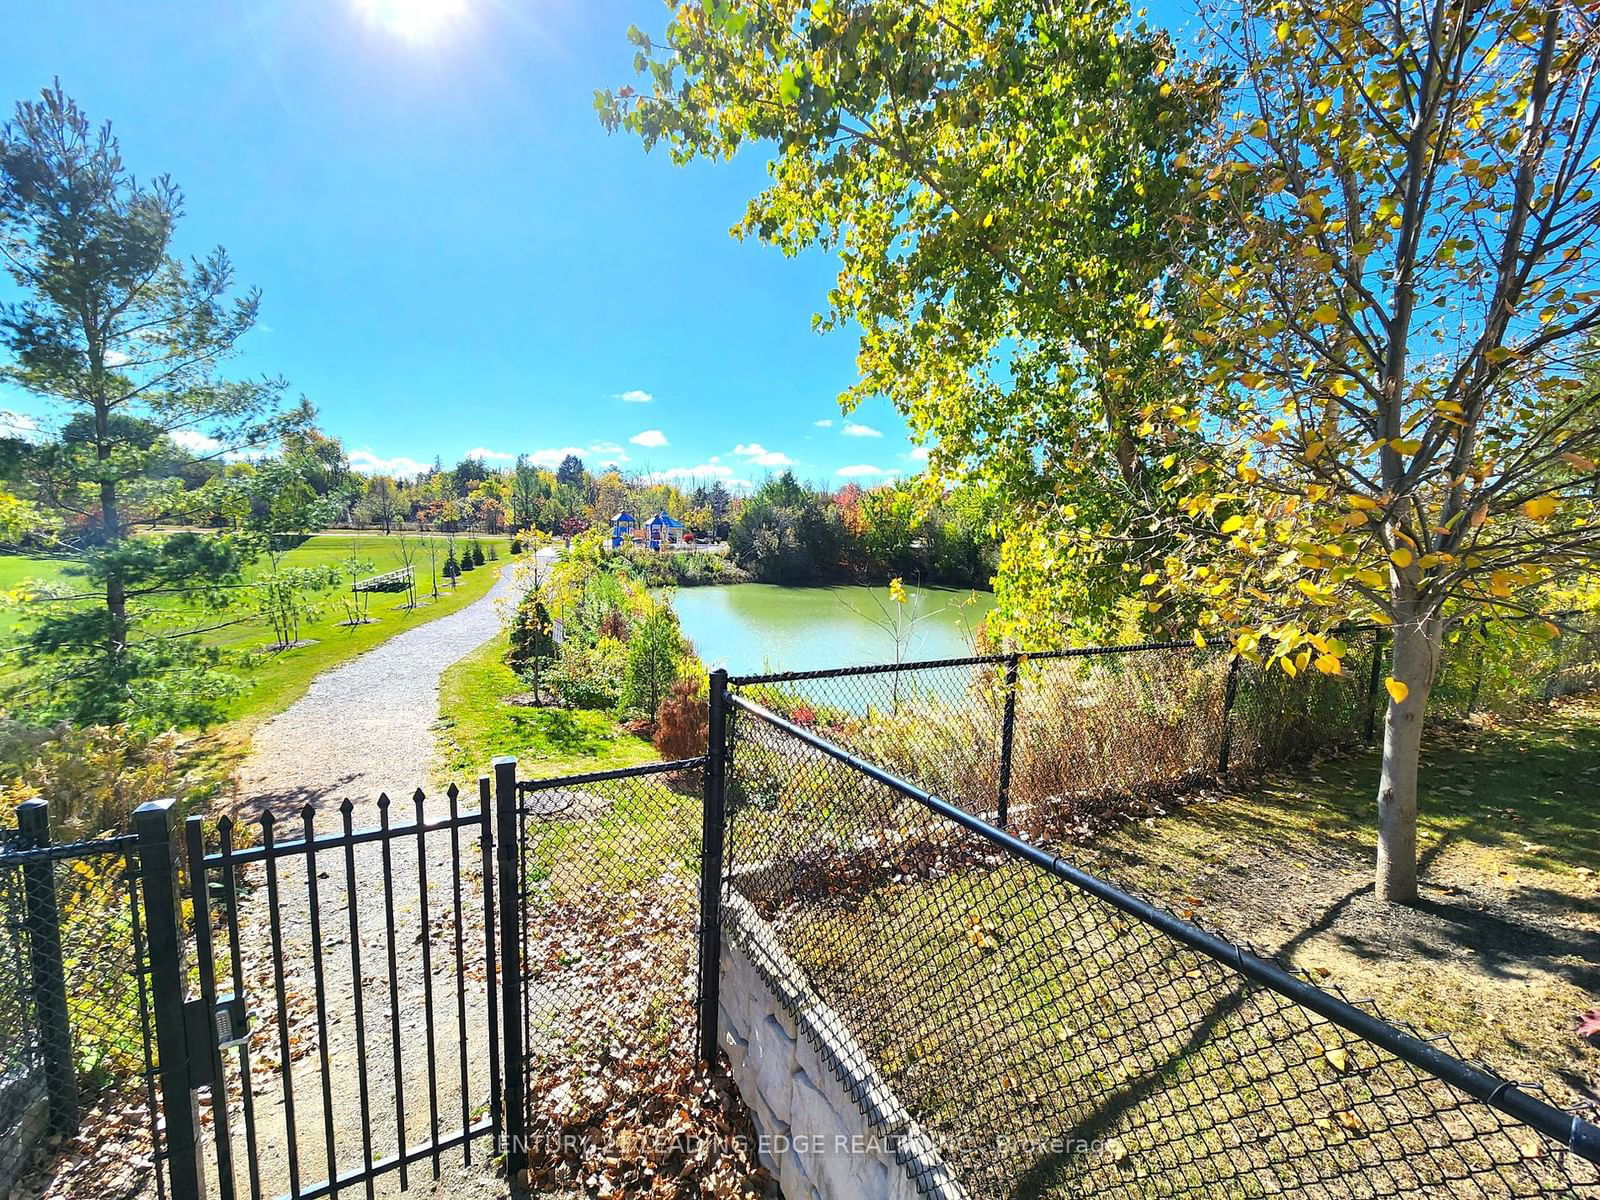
614 624
682 721
588 676
494 552
92 778
475 553
516 545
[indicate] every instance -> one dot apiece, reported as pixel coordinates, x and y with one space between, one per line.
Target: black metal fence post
513 1100
1375 674
1229 695
47 978
712 827
1008 733
155 825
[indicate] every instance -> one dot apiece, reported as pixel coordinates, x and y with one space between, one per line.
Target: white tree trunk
1415 657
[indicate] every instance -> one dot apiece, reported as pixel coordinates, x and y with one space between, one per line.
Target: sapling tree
656 652
406 552
1398 287
286 595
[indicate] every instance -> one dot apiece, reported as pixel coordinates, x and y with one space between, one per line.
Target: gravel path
363 728
367 726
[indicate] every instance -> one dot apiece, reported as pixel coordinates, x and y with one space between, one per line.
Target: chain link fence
75 1027
608 871
1051 1033
1058 740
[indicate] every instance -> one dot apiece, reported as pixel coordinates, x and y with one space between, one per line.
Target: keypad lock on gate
232 1021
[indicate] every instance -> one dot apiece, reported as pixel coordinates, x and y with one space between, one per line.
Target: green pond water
758 627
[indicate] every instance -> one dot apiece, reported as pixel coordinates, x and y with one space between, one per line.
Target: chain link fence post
515 1101
47 979
712 828
155 826
1008 733
1372 684
1229 696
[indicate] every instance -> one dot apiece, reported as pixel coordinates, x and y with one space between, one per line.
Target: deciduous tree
1398 305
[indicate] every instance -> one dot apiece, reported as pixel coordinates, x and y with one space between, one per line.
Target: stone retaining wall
830 1126
22 1127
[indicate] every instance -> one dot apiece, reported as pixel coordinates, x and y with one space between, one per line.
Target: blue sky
453 255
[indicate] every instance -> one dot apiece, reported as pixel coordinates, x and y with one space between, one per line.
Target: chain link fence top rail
1058 1037
75 1031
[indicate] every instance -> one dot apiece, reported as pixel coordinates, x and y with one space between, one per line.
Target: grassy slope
1076 1010
276 680
476 724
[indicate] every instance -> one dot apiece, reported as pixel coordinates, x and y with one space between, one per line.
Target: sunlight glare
414 20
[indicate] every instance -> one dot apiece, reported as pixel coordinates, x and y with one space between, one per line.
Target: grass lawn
1503 950
476 724
275 679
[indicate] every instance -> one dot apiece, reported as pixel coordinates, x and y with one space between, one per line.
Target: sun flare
414 20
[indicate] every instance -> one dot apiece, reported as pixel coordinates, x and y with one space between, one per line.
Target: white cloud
116 358
19 425
369 463
825 423
194 441
609 454
635 396
652 438
760 456
482 455
852 429
703 473
865 471
551 459
919 454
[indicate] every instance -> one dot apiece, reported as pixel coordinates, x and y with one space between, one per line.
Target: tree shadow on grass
1050 1174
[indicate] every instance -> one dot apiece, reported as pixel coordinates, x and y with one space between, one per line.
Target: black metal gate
355 1008
346 1028
601 875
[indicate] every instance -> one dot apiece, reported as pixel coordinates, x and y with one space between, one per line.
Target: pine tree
125 337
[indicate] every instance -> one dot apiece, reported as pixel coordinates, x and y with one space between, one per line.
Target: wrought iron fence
1053 1034
75 1021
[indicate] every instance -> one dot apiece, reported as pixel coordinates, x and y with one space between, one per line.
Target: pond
759 627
